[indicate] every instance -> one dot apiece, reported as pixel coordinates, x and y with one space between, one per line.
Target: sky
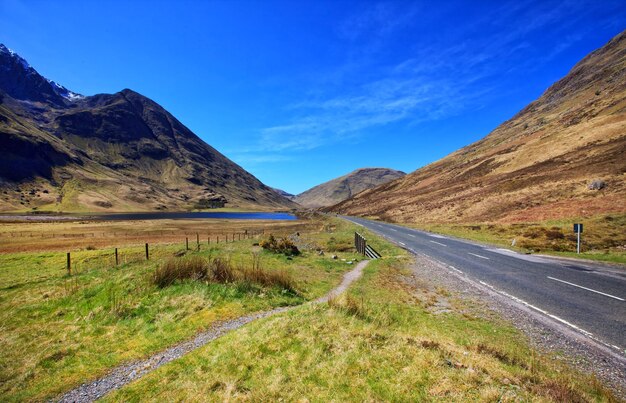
301 92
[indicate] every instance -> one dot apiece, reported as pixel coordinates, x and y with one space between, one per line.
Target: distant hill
539 165
284 194
344 187
109 152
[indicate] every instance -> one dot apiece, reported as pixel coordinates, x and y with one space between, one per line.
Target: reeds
220 271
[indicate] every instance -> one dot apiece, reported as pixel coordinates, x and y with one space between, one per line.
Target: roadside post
578 229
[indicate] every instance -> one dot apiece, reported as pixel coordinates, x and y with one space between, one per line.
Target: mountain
564 155
284 194
109 152
346 186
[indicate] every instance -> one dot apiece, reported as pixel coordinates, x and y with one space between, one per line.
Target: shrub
554 234
284 246
532 233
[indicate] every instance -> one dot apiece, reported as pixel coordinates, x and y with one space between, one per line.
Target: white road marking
393 229
585 288
521 301
482 257
437 236
439 243
455 269
411 235
402 243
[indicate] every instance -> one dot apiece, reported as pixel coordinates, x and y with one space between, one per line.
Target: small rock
334 257
321 253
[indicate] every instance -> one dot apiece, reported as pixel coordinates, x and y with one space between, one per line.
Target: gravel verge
545 334
124 374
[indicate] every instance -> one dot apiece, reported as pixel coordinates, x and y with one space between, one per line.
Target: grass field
603 236
60 330
384 340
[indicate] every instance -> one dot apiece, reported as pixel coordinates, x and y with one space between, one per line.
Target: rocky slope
346 186
61 151
564 155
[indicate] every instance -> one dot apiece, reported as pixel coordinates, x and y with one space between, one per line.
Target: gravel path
545 334
122 375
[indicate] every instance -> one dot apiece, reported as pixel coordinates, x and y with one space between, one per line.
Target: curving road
586 296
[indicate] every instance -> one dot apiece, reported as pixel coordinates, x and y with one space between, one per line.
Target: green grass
59 331
383 341
603 238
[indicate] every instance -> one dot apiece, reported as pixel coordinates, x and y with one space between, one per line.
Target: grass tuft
192 268
220 271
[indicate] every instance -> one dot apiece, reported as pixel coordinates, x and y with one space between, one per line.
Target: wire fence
86 259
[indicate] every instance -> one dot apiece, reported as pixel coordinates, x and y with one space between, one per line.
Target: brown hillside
537 165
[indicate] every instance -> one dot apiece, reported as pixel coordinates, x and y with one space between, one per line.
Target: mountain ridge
108 152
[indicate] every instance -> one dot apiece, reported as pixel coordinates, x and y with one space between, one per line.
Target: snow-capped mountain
21 81
108 152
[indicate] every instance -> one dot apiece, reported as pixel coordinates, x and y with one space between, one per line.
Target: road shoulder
544 334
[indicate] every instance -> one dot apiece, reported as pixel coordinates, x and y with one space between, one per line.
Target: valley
139 263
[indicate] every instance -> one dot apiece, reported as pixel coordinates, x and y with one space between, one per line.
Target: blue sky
300 92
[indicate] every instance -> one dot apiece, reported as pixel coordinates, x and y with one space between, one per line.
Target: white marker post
578 229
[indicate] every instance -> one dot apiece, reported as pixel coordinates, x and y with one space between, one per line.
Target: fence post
218 239
208 240
198 240
147 254
69 265
360 243
116 259
186 243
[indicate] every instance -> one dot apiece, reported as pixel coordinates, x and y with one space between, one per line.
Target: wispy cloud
342 118
252 157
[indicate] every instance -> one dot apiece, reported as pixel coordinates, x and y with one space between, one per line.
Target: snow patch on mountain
4 49
64 92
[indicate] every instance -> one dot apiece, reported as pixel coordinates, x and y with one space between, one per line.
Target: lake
199 214
150 216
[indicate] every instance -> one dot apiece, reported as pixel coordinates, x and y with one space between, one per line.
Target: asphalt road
586 296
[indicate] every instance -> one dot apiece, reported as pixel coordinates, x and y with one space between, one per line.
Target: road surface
586 296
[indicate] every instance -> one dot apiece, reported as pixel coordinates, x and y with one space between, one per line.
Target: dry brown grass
220 270
192 268
64 236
